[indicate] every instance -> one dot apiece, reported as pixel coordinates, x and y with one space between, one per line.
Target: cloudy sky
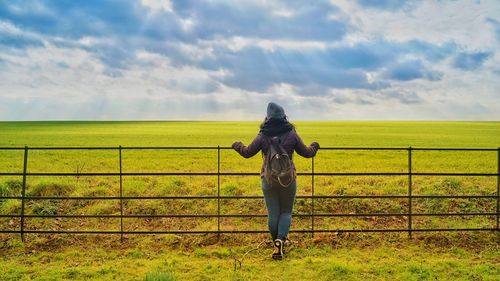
225 60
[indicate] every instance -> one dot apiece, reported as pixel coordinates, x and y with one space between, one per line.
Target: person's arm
251 150
303 150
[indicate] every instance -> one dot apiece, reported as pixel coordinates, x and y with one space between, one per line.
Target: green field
429 256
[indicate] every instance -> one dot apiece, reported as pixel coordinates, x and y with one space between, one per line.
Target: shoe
278 243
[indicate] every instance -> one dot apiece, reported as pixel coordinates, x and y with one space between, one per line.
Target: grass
472 256
160 276
366 257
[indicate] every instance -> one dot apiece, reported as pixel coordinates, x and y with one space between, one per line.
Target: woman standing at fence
277 139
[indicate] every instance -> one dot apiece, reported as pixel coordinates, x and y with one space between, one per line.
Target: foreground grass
354 257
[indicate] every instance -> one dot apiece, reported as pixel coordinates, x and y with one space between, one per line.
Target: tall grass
424 134
160 276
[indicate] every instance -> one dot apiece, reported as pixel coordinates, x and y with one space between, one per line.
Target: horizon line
257 120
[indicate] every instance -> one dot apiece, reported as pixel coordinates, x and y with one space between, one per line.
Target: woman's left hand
236 145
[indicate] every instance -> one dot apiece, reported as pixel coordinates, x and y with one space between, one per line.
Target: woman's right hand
315 144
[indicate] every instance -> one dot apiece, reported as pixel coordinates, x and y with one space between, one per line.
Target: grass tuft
160 276
44 207
10 188
50 189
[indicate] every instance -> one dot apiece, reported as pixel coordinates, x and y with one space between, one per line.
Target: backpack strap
285 136
267 138
281 139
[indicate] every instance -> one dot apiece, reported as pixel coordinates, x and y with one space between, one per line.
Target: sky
225 60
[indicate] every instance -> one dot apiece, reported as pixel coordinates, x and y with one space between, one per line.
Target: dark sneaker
278 243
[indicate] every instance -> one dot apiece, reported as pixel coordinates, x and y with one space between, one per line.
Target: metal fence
409 214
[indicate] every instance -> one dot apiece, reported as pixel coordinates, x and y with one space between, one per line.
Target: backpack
278 168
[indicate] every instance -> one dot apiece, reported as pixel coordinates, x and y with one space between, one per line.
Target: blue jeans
279 203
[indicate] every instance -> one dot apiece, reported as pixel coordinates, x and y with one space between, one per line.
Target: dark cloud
18 41
470 61
410 70
114 56
496 26
431 52
391 5
129 26
362 56
257 69
122 28
75 19
314 70
402 96
309 21
369 98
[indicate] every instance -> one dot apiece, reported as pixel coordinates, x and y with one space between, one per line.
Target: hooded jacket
291 143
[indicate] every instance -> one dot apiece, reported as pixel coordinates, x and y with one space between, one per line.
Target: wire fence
408 215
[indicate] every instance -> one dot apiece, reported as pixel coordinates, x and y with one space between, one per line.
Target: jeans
279 203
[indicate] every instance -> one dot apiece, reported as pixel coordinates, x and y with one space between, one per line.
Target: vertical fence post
121 195
498 189
25 167
409 194
218 192
312 197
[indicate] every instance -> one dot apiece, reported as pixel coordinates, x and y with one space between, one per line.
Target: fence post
218 192
121 195
409 194
498 189
312 197
25 167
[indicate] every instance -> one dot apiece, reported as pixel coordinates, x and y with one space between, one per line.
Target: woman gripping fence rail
277 139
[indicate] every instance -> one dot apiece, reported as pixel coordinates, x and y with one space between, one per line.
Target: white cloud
164 5
462 22
237 43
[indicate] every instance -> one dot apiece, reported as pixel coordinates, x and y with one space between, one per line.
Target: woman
279 200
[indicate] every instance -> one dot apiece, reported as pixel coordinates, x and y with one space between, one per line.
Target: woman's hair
275 126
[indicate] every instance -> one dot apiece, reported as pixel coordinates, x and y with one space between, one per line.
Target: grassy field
455 256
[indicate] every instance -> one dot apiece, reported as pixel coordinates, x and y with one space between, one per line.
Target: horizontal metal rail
242 174
251 197
239 231
228 147
406 215
249 215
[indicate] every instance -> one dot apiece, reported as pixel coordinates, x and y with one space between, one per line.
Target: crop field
328 256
